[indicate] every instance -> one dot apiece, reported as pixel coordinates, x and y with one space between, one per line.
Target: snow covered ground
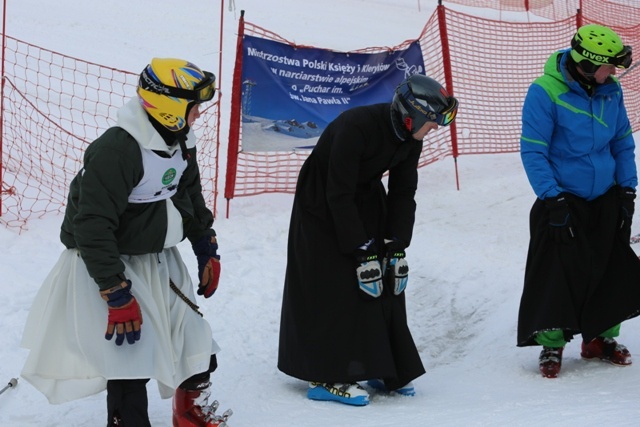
467 257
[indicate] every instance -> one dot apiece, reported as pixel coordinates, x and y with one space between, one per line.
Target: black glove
560 228
627 197
368 270
395 267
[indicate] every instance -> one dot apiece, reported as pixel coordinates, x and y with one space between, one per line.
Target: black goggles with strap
202 92
442 118
622 59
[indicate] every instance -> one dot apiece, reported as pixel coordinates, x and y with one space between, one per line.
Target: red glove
210 278
208 265
125 317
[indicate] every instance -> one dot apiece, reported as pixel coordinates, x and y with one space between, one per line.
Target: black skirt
330 331
584 287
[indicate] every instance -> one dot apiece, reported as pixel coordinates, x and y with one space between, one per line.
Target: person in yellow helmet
578 151
136 197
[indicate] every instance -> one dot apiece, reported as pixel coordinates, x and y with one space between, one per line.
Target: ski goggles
446 117
622 59
202 92
442 118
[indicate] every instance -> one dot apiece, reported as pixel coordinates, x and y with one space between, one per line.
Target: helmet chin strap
172 138
182 140
181 136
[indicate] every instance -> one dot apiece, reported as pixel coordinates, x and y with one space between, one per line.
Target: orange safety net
53 106
487 64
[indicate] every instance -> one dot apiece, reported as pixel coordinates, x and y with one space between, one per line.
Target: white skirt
69 357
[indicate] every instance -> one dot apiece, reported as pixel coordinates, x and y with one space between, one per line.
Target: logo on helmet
185 83
594 57
418 106
152 84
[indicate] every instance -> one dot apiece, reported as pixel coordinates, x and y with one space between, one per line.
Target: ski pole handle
12 383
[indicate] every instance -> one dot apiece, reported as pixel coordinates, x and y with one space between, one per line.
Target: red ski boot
608 350
550 361
190 409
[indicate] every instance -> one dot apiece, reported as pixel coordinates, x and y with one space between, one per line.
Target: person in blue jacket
577 148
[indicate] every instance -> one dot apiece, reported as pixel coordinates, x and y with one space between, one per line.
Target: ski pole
12 383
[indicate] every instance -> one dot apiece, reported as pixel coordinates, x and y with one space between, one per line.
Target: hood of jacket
556 68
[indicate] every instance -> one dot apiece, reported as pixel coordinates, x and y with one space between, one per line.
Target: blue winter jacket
572 142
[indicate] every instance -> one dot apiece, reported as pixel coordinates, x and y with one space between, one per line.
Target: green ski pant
555 337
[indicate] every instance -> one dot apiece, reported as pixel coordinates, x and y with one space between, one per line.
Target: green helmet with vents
599 45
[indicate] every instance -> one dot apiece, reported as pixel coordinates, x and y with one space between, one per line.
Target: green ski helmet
595 45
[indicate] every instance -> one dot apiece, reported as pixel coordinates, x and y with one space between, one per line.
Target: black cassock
330 331
585 287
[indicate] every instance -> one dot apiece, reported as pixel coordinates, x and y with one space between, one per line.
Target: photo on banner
291 93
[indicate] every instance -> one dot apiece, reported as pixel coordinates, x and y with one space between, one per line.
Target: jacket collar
133 119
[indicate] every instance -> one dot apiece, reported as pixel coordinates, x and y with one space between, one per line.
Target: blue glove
206 250
395 267
369 271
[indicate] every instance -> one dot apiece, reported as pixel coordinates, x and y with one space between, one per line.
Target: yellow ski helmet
169 87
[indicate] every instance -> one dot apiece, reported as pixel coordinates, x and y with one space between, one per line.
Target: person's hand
627 197
560 228
395 267
368 270
125 317
206 250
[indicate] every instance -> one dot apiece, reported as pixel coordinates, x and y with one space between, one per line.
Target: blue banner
290 94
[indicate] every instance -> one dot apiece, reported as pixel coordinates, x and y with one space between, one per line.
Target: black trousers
127 399
127 403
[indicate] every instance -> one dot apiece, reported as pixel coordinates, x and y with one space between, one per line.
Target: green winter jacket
99 220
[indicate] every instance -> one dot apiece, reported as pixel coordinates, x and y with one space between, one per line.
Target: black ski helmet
420 99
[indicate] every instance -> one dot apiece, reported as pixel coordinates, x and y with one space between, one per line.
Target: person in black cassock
343 314
582 277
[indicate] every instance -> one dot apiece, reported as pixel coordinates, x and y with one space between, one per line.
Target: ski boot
190 409
607 350
347 393
550 361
